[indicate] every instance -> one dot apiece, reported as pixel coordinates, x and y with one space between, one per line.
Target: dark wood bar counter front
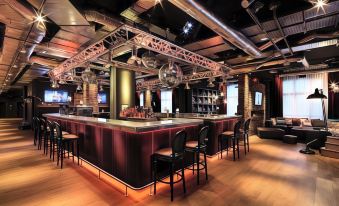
123 149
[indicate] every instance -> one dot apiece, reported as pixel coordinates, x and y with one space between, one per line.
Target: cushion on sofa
296 122
274 121
317 123
306 123
288 121
281 121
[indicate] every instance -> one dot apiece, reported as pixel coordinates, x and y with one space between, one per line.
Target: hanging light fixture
210 83
170 75
134 59
187 86
79 88
88 76
62 81
54 84
149 60
101 89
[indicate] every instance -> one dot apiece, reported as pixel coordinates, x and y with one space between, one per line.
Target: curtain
276 105
232 99
295 91
166 100
141 99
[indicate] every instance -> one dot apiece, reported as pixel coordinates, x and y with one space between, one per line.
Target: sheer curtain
295 91
166 100
232 99
141 99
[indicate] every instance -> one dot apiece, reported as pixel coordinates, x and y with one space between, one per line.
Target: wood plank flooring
273 173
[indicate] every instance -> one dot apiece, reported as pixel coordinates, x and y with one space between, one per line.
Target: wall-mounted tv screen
258 99
56 96
102 98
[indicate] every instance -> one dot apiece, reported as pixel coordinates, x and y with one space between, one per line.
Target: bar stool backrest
202 135
178 143
50 126
58 130
41 125
35 123
237 128
247 125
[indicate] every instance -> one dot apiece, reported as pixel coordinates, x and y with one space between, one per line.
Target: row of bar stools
197 147
233 137
62 139
176 153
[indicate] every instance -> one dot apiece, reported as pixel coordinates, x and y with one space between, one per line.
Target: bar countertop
132 126
212 117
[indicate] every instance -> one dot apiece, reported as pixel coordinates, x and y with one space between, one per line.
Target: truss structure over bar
186 78
129 35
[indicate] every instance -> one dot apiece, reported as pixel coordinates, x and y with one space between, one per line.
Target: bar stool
61 140
171 155
246 134
35 123
41 132
196 147
231 136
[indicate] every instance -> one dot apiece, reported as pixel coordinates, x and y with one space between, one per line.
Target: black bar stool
35 123
233 137
41 132
246 134
61 140
199 146
171 155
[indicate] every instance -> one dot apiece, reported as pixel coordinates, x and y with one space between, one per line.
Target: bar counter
121 148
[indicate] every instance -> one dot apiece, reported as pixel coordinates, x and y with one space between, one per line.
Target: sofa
287 123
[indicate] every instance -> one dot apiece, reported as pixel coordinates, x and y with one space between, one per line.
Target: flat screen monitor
258 99
55 96
102 98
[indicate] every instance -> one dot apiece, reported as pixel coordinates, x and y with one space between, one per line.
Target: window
232 99
295 91
141 97
166 101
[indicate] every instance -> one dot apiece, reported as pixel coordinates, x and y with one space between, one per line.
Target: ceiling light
15 66
194 70
23 50
187 86
319 4
54 84
101 88
10 74
79 88
186 30
273 71
210 83
62 81
189 25
40 19
264 39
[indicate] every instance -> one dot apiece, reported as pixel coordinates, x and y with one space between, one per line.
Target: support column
244 99
122 90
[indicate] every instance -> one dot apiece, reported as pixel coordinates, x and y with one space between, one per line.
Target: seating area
55 141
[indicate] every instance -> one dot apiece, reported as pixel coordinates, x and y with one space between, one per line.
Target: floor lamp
316 95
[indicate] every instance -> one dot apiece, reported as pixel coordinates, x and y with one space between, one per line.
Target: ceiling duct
34 37
201 14
2 37
132 14
43 61
109 23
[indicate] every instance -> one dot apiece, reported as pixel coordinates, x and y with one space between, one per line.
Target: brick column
244 96
90 96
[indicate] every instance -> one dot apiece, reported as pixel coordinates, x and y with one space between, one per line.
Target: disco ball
149 60
88 76
170 75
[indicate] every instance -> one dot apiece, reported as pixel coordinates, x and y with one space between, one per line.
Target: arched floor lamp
316 95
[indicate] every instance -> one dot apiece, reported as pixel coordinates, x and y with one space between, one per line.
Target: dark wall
11 104
333 98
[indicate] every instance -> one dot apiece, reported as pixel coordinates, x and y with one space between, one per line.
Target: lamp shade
317 95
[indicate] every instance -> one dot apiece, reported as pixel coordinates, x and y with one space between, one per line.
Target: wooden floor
272 174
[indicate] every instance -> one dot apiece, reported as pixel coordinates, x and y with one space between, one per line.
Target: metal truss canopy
186 78
126 34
